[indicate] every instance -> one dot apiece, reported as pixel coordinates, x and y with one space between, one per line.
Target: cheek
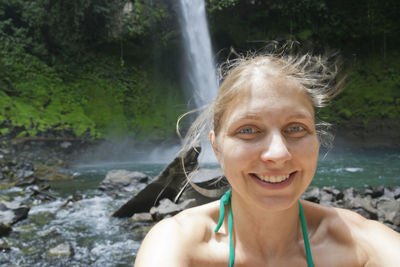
232 154
308 150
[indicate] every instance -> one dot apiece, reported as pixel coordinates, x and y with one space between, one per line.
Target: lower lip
274 186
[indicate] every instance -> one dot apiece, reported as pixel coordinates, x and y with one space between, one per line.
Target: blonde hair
315 74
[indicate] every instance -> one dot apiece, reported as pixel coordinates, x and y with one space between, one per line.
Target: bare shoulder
170 241
375 243
380 243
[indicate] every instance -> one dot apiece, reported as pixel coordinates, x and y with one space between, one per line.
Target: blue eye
295 129
247 130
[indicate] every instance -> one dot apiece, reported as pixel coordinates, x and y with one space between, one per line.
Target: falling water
202 75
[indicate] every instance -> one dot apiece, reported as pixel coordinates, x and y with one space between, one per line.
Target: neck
263 231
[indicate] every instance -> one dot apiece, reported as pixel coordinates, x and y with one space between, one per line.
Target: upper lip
274 174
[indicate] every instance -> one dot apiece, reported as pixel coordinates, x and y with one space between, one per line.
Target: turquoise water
341 168
100 240
358 168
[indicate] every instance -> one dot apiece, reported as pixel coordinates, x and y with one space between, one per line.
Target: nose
275 149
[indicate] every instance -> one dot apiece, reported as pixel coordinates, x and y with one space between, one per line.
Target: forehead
270 94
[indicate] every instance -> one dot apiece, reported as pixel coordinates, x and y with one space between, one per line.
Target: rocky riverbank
375 203
28 164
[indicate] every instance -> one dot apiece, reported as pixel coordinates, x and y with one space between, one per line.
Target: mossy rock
51 173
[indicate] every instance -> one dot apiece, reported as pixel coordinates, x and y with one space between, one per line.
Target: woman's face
267 143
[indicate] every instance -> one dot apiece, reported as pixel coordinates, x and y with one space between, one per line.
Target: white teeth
273 179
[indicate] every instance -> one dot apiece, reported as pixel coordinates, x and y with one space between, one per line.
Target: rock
377 191
362 203
52 231
6 217
5 151
12 212
388 193
65 144
396 192
389 210
4 247
117 180
28 166
38 193
51 173
312 194
368 192
338 195
206 185
326 198
349 193
168 208
5 229
26 182
142 217
75 197
23 174
167 184
62 250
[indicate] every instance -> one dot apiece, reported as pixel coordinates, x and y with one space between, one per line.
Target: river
100 240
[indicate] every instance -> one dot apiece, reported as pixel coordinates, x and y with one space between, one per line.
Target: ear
214 145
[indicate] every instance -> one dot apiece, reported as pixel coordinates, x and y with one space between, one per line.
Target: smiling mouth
272 179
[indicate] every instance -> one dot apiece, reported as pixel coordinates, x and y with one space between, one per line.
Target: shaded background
114 69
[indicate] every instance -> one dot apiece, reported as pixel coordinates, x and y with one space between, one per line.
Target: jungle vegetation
98 69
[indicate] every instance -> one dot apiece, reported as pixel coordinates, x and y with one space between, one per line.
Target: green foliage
104 68
354 27
144 16
372 93
38 99
218 5
304 34
99 98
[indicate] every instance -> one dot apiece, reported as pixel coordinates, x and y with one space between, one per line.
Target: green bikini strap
305 236
226 200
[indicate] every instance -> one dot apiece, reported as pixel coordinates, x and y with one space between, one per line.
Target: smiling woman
266 139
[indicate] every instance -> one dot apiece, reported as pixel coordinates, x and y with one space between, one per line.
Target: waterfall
202 74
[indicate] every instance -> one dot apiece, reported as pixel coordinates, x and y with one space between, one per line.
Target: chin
277 203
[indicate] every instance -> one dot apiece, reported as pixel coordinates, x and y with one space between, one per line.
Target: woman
266 139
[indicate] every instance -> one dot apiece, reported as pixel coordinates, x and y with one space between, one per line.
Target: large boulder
117 180
167 184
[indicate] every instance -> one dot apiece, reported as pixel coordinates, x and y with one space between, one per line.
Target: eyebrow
253 116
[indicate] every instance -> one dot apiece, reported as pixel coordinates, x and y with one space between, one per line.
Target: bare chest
327 255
